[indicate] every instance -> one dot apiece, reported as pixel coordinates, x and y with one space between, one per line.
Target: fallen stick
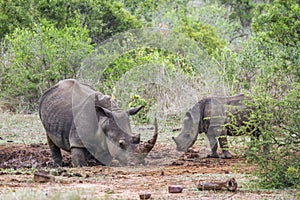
42 177
230 185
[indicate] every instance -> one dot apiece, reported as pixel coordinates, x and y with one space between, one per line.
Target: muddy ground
164 167
23 152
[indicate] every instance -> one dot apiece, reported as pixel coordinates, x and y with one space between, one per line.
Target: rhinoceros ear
133 111
105 111
188 114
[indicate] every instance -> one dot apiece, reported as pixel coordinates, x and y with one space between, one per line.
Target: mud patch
164 167
16 156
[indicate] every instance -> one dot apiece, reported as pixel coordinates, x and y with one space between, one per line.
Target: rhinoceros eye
122 143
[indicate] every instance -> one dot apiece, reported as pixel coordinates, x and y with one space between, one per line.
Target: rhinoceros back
55 111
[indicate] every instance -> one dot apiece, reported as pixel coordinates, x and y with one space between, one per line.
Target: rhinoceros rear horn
146 147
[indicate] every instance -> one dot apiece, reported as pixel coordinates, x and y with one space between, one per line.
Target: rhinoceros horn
147 146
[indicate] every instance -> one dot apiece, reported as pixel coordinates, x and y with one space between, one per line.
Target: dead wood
42 177
230 185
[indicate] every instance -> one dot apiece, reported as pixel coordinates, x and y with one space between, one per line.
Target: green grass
21 129
51 194
27 129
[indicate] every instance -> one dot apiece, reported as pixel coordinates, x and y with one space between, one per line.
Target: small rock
42 177
77 175
175 189
60 171
145 196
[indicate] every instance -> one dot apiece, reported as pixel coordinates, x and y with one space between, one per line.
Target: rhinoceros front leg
213 144
78 157
224 146
55 152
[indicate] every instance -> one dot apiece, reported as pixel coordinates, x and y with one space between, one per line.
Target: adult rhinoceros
216 117
87 123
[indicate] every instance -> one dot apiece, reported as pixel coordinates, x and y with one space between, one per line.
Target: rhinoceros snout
178 146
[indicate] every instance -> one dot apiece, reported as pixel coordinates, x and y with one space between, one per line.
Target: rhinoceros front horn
146 147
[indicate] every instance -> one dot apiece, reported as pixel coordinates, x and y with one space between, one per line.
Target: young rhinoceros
87 123
216 117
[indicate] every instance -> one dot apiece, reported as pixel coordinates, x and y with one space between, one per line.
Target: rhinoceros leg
55 152
78 156
213 145
224 146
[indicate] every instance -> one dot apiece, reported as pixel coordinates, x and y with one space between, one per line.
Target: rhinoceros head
188 134
104 129
190 129
121 143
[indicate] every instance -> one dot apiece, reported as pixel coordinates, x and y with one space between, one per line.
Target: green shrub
34 59
206 35
269 66
101 18
114 72
137 101
277 153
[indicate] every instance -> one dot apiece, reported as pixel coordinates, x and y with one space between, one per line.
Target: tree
102 18
241 10
273 54
14 14
36 58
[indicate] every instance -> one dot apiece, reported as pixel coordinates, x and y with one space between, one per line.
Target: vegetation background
253 45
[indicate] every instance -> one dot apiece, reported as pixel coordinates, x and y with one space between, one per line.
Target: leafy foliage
15 14
102 18
45 41
277 153
36 59
206 35
241 10
279 23
138 57
137 101
271 63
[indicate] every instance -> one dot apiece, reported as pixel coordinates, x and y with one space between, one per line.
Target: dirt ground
164 167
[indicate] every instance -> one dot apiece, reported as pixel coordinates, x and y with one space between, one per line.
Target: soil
164 167
19 156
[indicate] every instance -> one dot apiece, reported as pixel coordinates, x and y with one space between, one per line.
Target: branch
230 185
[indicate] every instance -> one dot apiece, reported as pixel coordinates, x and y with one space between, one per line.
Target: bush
114 72
137 101
277 153
102 18
269 68
34 59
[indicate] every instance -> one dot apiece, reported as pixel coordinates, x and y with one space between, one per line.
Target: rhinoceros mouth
178 146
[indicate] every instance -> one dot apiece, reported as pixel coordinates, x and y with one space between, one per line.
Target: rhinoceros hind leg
213 145
55 152
213 155
78 156
224 145
226 154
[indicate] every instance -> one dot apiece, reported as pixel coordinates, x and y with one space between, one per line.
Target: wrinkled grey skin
88 124
211 116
